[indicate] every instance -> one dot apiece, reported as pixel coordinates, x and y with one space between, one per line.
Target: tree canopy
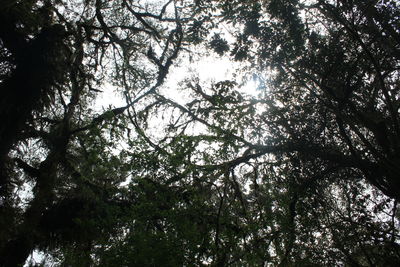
301 170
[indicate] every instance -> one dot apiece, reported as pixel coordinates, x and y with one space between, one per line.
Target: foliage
305 173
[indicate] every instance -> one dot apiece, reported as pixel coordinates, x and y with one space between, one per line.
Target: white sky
208 69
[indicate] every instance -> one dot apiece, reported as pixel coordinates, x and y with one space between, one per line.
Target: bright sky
208 69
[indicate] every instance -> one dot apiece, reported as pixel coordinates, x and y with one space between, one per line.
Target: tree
340 60
51 65
304 173
315 126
